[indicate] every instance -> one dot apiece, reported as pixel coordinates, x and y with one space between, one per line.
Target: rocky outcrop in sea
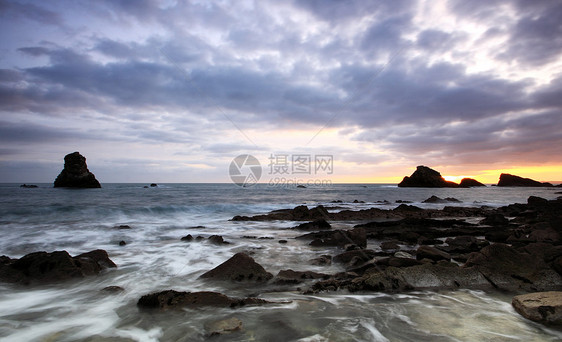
75 173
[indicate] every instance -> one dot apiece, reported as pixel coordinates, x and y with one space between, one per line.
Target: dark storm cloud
181 73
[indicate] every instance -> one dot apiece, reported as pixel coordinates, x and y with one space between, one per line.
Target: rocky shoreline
515 248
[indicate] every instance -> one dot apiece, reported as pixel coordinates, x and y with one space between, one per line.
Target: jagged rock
241 267
432 253
508 269
340 238
76 174
511 180
175 299
295 277
188 238
426 177
320 224
43 267
542 307
29 186
470 182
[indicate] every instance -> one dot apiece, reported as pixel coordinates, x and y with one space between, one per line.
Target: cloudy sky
172 91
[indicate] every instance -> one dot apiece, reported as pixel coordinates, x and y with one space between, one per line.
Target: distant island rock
76 174
29 186
470 182
425 177
511 180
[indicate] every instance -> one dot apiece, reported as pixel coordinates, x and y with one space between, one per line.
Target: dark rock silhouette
175 299
470 182
43 267
29 186
425 177
511 180
76 174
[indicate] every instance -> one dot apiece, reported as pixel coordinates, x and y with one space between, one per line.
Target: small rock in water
29 186
153 185
122 243
241 267
123 226
301 186
283 241
188 237
113 289
217 240
542 307
323 260
223 327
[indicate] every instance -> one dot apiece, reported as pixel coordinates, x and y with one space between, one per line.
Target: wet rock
43 267
535 201
427 276
435 199
241 267
123 226
188 238
363 255
283 241
113 289
323 260
296 277
75 173
470 182
508 269
224 327
511 180
386 245
300 186
432 253
427 178
175 299
217 240
495 219
320 224
542 307
402 254
153 185
397 262
28 186
464 244
122 243
340 238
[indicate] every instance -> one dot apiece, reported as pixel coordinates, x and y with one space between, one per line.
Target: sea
155 259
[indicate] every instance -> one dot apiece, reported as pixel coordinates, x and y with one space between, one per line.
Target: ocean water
154 259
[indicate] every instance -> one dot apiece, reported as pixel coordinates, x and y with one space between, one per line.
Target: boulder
323 260
176 299
542 307
426 177
470 182
495 219
241 267
75 173
44 268
511 180
432 253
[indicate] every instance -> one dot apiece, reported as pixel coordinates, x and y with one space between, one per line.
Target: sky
173 91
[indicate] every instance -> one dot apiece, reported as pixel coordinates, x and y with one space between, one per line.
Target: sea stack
76 174
425 177
511 180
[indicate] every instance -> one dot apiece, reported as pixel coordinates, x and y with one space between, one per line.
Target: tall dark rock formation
425 177
76 174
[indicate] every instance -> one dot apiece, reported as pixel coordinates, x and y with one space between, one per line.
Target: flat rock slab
175 299
543 307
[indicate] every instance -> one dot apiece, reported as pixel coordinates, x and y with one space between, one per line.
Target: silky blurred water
155 259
